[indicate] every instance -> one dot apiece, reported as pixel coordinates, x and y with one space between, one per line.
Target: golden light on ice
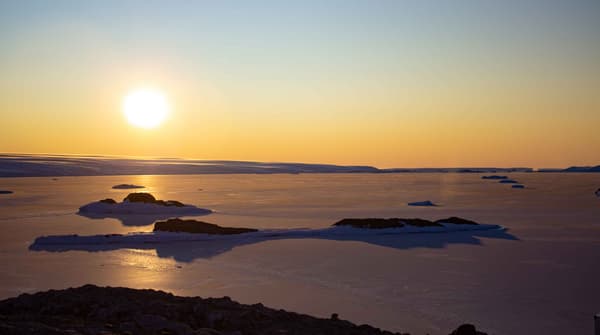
145 108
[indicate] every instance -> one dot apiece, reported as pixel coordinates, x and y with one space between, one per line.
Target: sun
145 108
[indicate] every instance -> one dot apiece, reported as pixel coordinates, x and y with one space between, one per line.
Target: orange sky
413 85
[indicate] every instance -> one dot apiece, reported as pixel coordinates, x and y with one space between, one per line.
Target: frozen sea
541 276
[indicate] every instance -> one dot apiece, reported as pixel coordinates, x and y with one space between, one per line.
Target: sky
383 83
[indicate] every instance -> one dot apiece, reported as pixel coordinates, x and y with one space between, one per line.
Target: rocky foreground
106 310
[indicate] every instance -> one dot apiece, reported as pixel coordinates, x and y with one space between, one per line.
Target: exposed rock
198 227
94 310
371 223
127 186
169 203
456 220
421 223
508 181
422 203
467 329
140 197
494 177
6 192
518 186
150 199
380 223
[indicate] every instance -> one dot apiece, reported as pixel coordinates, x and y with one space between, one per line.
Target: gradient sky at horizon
384 83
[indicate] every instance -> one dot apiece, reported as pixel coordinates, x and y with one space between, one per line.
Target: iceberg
422 203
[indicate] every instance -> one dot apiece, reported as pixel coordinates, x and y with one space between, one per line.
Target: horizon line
142 157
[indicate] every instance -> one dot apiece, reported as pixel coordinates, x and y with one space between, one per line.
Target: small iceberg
6 192
422 203
508 181
495 177
126 186
518 186
142 204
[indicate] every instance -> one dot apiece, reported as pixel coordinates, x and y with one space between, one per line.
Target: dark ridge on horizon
32 165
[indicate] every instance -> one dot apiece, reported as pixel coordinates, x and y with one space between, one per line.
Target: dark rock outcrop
126 186
426 203
495 177
467 329
198 227
150 199
105 310
456 220
6 192
380 223
140 197
508 181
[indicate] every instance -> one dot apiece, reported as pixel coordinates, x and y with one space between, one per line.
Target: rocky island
140 204
126 186
91 309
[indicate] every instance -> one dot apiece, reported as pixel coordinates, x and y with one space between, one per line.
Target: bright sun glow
145 108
